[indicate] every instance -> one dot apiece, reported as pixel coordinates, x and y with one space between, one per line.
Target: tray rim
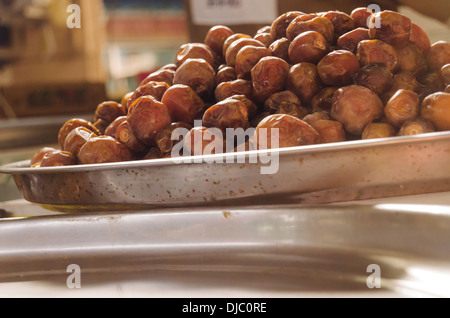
23 167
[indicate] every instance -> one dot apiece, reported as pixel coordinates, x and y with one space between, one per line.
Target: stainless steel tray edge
312 174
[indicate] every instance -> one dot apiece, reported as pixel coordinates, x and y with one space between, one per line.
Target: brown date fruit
109 111
293 110
264 29
221 66
280 48
317 116
342 22
291 132
390 27
58 158
419 38
231 39
323 100
258 118
124 100
349 41
378 130
438 55
447 89
225 74
436 108
72 124
416 126
252 108
264 38
309 46
204 141
170 136
280 24
399 84
101 125
236 87
165 76
194 51
153 154
377 51
104 149
338 68
403 106
431 82
154 89
272 103
198 74
170 66
229 113
112 128
361 17
76 139
285 102
247 58
318 24
376 77
444 74
148 117
304 80
356 106
125 135
329 130
269 77
216 36
405 80
411 59
38 155
236 46
183 103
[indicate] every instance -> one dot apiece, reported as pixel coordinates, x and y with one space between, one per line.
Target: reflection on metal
253 251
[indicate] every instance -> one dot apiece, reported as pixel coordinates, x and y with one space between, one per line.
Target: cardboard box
235 13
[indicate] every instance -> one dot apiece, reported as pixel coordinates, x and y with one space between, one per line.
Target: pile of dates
315 77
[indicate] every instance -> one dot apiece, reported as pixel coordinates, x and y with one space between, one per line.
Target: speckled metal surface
337 172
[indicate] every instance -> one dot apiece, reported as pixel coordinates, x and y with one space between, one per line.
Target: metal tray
348 171
266 251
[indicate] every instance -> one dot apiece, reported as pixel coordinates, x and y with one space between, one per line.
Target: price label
232 12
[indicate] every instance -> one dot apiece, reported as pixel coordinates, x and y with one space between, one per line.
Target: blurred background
50 72
47 68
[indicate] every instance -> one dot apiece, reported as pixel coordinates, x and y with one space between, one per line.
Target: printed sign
233 12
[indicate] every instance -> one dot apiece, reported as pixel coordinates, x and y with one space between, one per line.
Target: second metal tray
327 173
289 251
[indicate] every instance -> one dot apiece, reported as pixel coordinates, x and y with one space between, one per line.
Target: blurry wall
47 67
